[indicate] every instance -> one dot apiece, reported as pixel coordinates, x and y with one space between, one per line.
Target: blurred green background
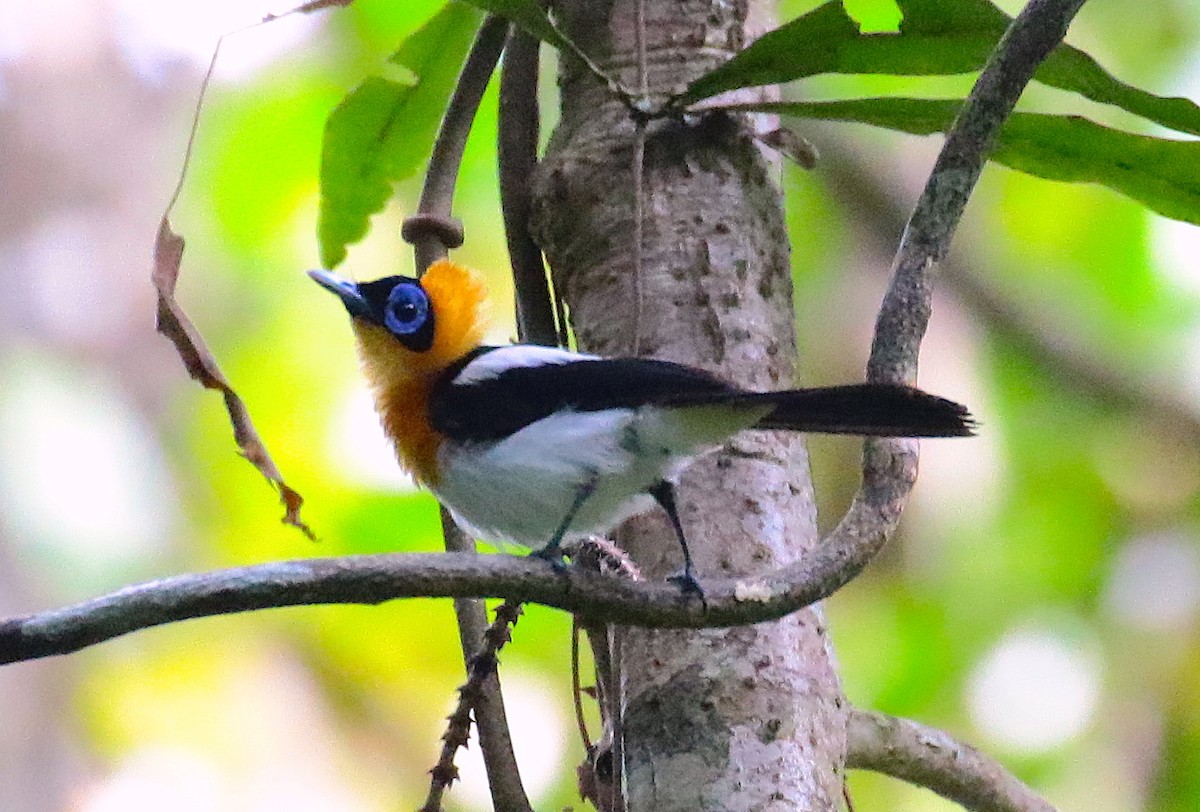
1042 602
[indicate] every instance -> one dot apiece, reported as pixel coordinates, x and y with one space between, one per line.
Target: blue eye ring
407 310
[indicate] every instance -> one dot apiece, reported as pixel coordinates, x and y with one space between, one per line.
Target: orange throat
404 413
402 379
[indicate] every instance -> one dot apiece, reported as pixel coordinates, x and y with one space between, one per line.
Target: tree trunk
734 719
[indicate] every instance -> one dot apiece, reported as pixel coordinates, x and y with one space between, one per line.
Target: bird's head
410 328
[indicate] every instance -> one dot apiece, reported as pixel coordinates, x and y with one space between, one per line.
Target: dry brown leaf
308 8
318 5
173 323
791 145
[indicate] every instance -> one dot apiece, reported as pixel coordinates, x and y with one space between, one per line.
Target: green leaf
383 130
530 16
937 37
814 43
1071 69
931 41
1162 174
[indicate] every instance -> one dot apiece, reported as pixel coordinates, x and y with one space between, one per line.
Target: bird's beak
345 290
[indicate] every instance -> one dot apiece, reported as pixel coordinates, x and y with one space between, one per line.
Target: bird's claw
689 585
553 555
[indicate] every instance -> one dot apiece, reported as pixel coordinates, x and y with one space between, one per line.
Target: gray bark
748 718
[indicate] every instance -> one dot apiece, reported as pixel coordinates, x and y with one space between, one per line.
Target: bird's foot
689 585
552 554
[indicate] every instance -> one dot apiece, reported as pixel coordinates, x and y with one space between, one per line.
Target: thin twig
615 699
189 148
930 758
614 86
485 697
602 555
481 669
517 155
206 82
577 687
432 232
639 44
437 195
458 733
639 171
639 230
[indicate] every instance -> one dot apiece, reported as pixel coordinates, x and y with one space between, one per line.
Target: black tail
880 410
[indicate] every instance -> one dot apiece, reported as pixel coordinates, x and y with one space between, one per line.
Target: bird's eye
407 309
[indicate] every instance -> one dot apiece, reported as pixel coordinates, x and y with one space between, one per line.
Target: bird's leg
664 494
552 552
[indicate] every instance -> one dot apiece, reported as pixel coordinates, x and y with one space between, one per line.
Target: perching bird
535 445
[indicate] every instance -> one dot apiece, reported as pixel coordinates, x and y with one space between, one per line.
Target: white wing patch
492 364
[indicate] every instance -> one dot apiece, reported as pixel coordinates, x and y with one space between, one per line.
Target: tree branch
432 231
904 315
1074 359
486 698
373 579
930 758
516 151
890 466
898 747
508 793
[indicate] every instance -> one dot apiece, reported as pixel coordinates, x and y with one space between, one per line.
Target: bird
533 445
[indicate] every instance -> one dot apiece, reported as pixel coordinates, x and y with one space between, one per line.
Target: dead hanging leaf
173 323
308 8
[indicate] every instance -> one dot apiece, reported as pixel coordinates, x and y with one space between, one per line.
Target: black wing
496 407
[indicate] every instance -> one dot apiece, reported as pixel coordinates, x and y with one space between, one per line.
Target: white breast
520 489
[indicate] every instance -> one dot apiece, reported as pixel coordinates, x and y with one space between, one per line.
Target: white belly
520 489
